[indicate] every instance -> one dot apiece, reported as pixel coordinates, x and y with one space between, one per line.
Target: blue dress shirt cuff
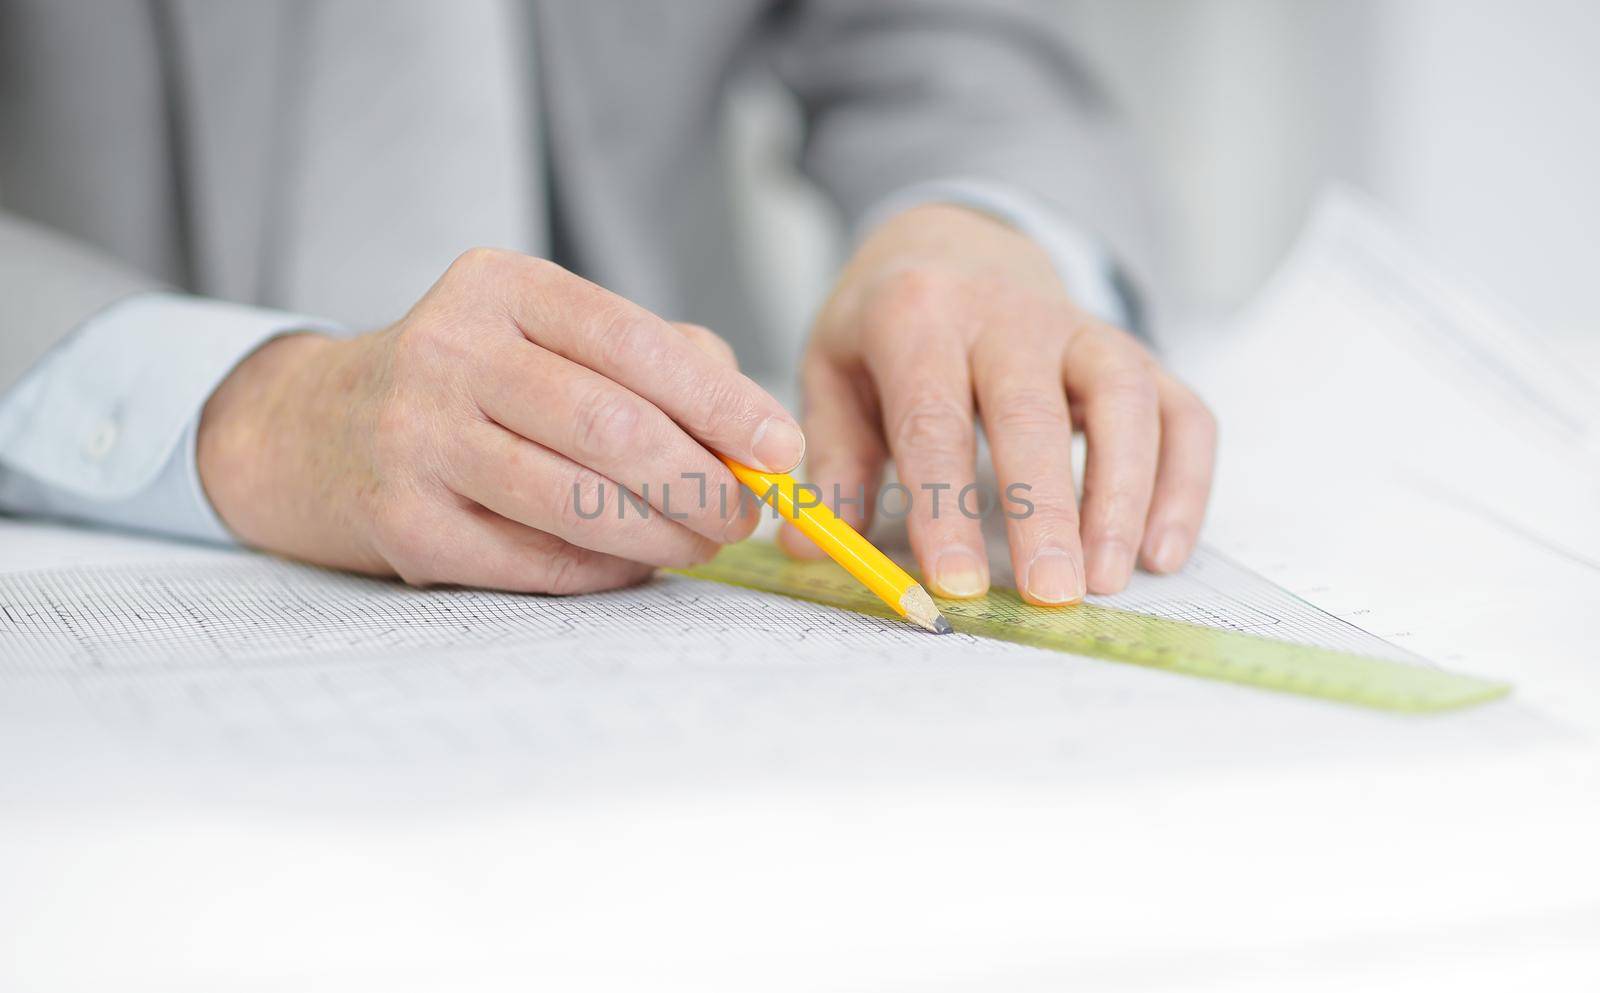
103 428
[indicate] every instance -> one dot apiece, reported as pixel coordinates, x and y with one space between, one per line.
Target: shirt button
101 440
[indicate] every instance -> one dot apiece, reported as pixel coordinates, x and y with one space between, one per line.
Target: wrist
264 437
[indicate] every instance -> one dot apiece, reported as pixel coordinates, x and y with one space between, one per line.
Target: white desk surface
1002 822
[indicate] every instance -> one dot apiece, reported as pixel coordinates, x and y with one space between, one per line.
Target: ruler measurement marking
1123 636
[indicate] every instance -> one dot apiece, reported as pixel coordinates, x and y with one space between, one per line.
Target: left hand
943 306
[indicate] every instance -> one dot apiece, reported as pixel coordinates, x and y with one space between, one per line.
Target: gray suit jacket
315 155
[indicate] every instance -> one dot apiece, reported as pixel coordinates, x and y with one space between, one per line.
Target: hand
473 441
942 305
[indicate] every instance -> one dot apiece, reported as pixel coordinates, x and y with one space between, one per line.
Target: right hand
460 445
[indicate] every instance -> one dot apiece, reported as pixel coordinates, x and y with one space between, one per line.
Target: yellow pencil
893 585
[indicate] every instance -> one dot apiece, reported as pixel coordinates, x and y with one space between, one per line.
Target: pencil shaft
838 540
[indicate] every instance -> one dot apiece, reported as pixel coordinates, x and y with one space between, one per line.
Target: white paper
240 771
230 650
1360 363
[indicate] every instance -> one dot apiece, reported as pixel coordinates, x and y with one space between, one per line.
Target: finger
708 341
596 423
1183 477
528 483
721 408
926 392
847 449
470 546
747 513
1112 382
1024 409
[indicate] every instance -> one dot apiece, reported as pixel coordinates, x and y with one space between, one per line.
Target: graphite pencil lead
920 611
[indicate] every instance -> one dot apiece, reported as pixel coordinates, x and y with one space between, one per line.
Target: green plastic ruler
1124 636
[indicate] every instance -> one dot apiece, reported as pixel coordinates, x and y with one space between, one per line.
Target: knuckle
1128 388
581 500
906 295
932 424
476 267
604 421
1118 339
915 289
1030 412
565 569
1052 509
516 477
477 260
627 339
935 291
700 334
1119 516
710 342
540 268
726 405
436 341
1125 540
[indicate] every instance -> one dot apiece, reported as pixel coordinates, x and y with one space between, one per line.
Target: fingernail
959 572
778 445
1110 566
1171 548
1054 577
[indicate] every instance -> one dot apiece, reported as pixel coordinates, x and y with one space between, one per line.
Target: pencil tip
921 611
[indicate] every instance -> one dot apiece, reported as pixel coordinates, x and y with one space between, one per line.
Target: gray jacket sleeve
49 285
899 92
